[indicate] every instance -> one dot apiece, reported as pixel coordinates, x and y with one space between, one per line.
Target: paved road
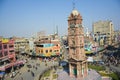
92 75
116 69
25 75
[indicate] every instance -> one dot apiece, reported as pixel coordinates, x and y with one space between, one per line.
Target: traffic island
49 75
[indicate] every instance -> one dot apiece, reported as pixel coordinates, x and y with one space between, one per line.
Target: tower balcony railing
81 45
72 45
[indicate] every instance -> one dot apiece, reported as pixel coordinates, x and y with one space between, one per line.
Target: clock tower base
77 69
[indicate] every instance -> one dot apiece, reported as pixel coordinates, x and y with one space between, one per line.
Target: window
1 55
41 51
5 46
50 50
39 45
46 51
5 53
30 50
7 61
0 47
11 46
1 63
11 51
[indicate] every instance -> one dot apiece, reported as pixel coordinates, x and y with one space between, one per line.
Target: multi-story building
47 50
8 60
77 58
7 54
47 46
48 39
103 32
117 36
31 47
21 45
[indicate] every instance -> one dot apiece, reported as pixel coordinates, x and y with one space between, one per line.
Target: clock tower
77 59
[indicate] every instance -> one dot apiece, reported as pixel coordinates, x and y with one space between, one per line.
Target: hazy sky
24 18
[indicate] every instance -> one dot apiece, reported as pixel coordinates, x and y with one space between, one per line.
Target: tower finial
73 5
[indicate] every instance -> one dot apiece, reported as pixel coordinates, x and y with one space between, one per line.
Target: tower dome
75 17
75 12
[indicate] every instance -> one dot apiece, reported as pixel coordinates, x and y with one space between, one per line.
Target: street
37 68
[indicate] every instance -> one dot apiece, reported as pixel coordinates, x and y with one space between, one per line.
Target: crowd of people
112 58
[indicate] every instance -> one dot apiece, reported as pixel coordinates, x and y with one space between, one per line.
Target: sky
24 18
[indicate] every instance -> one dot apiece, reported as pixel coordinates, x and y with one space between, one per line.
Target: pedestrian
36 68
45 63
33 66
32 73
21 78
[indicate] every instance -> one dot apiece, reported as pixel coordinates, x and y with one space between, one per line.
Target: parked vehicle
29 66
13 74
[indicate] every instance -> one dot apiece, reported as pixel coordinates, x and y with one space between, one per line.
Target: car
101 62
29 66
62 63
13 74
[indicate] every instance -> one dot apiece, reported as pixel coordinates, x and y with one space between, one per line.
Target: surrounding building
103 32
21 45
117 36
31 47
90 45
47 46
47 50
42 38
77 59
7 54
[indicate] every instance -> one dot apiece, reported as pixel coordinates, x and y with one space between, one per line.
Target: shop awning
2 73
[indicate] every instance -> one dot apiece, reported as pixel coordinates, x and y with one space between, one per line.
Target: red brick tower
77 59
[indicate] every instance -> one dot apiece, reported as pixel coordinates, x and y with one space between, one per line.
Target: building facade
103 32
77 58
22 45
47 50
7 54
117 36
47 46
